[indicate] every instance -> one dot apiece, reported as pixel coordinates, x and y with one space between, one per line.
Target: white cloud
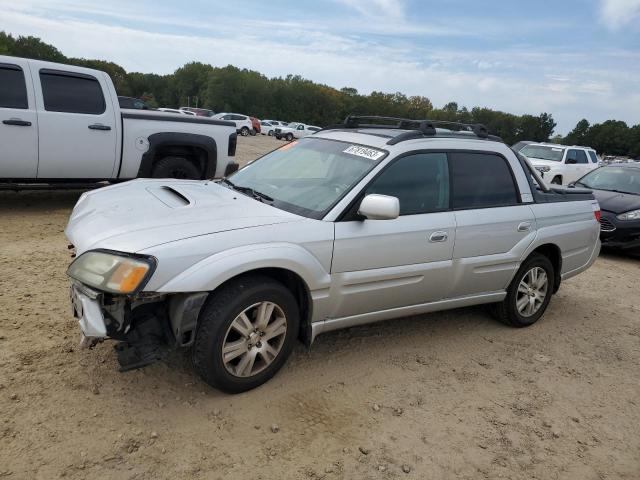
378 8
521 79
618 13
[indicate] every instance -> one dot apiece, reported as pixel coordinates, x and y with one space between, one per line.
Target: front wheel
244 131
245 333
289 137
529 293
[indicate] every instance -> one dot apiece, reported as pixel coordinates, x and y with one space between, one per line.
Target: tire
508 312
175 167
279 137
253 132
557 180
289 137
270 134
217 328
244 131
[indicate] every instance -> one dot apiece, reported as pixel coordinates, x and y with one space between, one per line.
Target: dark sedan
617 189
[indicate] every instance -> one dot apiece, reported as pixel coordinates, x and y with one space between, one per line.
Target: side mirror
571 185
379 207
571 161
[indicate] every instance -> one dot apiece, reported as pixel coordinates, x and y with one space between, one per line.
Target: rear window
71 94
577 156
13 93
543 152
593 156
481 180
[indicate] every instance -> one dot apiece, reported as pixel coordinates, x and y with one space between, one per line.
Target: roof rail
416 128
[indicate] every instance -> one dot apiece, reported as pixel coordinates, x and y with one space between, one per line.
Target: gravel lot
445 395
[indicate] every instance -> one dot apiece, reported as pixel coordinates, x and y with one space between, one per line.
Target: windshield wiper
262 197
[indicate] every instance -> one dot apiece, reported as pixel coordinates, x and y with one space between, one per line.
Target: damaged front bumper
146 325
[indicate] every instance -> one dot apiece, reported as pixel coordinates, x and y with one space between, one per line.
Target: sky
572 58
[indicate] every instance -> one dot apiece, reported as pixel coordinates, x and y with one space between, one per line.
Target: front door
77 126
384 264
18 121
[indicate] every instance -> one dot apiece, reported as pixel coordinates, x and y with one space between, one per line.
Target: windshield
308 177
292 125
543 152
619 179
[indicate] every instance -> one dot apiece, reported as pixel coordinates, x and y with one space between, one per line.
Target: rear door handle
524 227
438 237
99 126
17 122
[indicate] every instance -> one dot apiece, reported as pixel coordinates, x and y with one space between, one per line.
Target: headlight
543 169
112 271
632 215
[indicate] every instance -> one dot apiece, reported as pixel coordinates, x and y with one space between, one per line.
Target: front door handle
17 122
99 126
438 237
524 227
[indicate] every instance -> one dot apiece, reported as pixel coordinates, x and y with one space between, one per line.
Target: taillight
233 141
596 211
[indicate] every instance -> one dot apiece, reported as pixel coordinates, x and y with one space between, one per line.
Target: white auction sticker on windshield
365 152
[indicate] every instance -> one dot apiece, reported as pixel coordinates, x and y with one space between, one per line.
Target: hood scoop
171 197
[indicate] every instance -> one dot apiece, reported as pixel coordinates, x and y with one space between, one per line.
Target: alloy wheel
254 339
532 291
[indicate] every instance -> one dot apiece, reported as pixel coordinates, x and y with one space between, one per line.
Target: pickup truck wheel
244 131
175 167
289 137
529 293
245 333
270 133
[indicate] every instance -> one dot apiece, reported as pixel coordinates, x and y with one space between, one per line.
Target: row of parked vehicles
245 125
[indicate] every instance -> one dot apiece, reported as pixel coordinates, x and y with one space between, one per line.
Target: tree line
293 98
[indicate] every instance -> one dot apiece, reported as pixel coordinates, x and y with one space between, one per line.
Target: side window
420 182
576 156
71 94
13 93
239 117
300 127
593 156
481 180
227 117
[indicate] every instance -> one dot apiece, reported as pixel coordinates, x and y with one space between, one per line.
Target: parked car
176 111
520 145
352 225
62 123
132 103
199 112
295 130
267 128
561 164
244 125
617 189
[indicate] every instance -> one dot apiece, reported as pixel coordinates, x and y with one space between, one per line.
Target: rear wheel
270 133
245 333
175 167
529 293
244 131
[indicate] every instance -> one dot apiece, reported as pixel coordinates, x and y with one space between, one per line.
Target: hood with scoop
143 213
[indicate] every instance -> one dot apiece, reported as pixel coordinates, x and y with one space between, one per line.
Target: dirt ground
451 395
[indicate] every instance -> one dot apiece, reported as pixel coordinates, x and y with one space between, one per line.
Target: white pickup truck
63 124
295 130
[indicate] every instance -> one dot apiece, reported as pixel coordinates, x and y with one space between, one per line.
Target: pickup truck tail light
233 141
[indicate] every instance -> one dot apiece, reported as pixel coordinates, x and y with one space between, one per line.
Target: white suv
561 164
244 125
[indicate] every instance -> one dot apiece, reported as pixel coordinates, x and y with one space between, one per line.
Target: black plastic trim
179 119
11 66
176 139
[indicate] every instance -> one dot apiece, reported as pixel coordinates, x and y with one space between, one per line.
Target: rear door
577 165
18 121
77 125
384 264
492 227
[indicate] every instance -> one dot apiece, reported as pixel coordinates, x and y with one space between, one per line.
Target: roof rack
416 128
